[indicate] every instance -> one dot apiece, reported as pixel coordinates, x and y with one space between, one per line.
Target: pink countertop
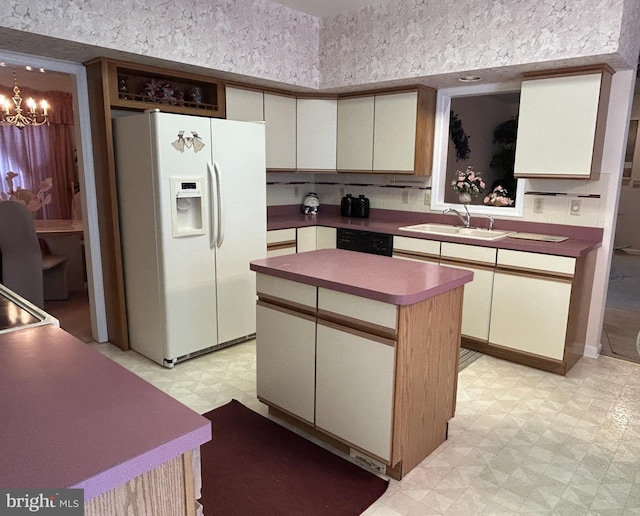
72 418
391 280
582 240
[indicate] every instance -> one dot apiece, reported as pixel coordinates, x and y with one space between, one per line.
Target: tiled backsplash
545 200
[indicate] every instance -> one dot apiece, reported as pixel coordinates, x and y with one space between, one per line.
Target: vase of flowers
499 197
468 184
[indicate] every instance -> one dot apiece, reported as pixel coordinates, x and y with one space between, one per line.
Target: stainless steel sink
445 229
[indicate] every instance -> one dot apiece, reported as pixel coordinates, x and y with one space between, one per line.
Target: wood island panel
426 376
167 490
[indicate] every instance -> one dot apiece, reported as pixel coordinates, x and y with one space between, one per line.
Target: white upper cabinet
244 105
395 132
280 131
390 132
317 134
561 123
355 134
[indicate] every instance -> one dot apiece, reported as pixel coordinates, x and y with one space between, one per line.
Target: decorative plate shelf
141 87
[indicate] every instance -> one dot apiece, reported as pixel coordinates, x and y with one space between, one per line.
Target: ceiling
322 8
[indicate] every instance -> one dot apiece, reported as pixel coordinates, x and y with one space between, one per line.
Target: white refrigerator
192 210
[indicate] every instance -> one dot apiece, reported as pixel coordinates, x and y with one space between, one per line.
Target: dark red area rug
255 467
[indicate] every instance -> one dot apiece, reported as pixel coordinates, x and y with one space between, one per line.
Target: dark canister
346 206
361 208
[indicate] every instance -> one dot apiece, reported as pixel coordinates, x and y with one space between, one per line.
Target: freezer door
239 158
182 149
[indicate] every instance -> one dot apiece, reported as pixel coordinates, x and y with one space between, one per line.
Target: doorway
91 299
621 328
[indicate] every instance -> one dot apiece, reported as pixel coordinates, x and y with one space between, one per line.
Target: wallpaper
415 38
256 38
391 40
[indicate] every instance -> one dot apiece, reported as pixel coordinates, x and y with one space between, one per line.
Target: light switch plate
427 197
538 203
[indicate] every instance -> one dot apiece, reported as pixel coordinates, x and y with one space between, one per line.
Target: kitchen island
72 418
361 351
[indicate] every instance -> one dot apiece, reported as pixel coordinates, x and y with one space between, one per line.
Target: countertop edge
122 473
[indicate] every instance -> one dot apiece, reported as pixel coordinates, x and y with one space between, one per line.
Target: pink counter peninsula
72 418
361 351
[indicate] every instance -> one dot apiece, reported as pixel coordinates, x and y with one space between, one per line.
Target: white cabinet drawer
347 306
428 249
468 253
278 236
278 288
562 265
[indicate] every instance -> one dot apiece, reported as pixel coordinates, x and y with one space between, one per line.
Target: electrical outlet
405 196
342 192
538 204
296 191
576 207
427 197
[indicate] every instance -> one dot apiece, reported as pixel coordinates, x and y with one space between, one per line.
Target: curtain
37 153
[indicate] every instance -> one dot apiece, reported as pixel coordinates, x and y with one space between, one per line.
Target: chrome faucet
490 221
466 219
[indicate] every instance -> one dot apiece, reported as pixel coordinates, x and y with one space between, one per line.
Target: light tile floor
522 442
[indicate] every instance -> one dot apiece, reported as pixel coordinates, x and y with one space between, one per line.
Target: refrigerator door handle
213 215
220 213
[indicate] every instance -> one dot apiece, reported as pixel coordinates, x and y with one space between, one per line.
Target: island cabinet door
285 356
355 374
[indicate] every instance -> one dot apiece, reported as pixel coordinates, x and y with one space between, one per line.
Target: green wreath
459 137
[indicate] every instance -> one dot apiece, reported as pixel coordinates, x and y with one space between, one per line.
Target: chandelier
12 113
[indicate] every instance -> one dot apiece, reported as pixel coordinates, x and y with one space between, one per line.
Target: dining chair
25 269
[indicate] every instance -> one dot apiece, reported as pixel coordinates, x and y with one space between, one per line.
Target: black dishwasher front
364 241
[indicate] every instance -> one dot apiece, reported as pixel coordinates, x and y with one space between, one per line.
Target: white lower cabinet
530 302
476 311
530 314
355 375
312 238
286 337
281 242
417 249
326 238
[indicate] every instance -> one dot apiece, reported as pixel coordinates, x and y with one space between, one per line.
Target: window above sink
477 149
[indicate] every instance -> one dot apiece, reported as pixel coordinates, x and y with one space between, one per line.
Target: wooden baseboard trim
519 357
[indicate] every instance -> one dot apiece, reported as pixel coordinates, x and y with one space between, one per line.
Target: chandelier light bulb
14 114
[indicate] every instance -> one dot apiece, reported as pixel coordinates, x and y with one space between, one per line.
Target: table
65 238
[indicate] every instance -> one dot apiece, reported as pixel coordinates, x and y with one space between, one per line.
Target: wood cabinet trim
433 258
468 263
425 132
333 323
286 306
356 324
534 273
519 357
189 483
290 244
575 70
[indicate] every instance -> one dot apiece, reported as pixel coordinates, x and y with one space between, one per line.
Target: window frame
438 180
